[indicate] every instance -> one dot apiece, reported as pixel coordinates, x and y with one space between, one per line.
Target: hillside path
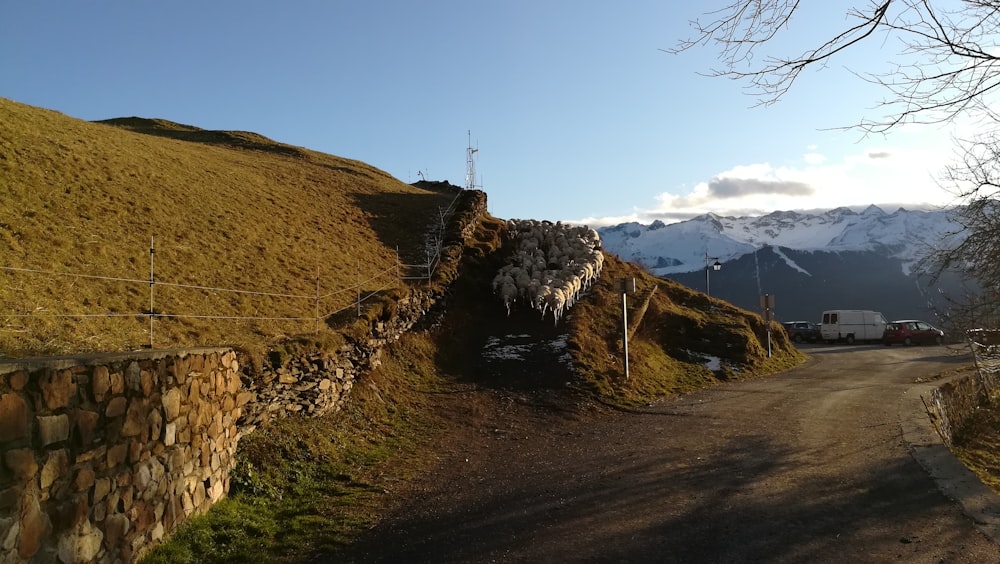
828 462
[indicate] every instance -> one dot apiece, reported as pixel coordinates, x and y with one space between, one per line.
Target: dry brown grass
227 210
680 332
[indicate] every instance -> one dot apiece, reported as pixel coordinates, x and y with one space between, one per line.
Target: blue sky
577 111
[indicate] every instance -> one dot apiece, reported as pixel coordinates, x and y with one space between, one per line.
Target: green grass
304 487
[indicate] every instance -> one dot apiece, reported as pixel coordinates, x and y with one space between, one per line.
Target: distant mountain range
836 259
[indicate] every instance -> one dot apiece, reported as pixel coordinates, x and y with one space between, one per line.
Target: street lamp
709 267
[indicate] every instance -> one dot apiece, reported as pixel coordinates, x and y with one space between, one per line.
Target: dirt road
813 465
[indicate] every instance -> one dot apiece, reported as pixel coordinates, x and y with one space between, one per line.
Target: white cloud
891 175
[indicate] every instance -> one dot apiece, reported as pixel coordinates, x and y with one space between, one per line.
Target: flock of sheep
551 264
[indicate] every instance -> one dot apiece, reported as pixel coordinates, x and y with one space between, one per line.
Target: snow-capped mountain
839 258
682 247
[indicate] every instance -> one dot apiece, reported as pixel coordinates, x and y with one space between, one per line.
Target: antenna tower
470 166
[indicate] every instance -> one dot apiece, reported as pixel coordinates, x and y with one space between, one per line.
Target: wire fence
314 307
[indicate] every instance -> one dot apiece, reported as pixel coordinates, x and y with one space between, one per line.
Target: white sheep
552 264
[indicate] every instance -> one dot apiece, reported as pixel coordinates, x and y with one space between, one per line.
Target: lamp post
709 267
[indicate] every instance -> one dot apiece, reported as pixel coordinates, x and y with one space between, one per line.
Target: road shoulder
955 481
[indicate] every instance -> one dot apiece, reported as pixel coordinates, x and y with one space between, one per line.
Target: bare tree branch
949 57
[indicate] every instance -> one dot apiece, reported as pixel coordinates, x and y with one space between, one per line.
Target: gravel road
829 462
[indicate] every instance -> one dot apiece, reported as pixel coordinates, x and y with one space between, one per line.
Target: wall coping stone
10 365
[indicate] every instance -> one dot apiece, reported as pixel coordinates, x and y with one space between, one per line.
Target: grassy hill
258 242
247 233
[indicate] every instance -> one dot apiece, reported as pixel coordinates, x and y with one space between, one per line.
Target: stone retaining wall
316 384
106 454
102 456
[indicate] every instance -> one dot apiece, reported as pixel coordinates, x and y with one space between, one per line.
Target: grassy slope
235 210
228 210
681 332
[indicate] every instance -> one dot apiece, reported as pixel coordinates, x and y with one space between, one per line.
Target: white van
852 325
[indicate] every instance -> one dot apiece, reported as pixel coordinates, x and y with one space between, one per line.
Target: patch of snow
714 363
790 262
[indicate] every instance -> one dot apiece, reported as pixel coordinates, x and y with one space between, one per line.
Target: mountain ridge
811 261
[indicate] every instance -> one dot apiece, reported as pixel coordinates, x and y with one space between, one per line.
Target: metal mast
470 165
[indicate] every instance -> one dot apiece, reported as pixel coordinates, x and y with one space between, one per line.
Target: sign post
767 306
626 286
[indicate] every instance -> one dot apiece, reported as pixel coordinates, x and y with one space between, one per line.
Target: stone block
116 527
84 479
135 417
136 452
215 427
80 544
244 398
143 477
86 422
54 467
233 383
178 370
133 374
100 382
99 512
35 524
9 529
15 422
220 382
17 380
126 496
117 383
146 382
141 515
52 428
171 404
197 362
116 407
22 463
194 391
117 454
68 512
96 453
155 425
58 388
102 486
170 434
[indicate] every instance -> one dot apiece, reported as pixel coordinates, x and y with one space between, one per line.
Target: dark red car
911 332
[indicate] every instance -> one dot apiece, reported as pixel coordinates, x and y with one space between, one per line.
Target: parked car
912 332
802 331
